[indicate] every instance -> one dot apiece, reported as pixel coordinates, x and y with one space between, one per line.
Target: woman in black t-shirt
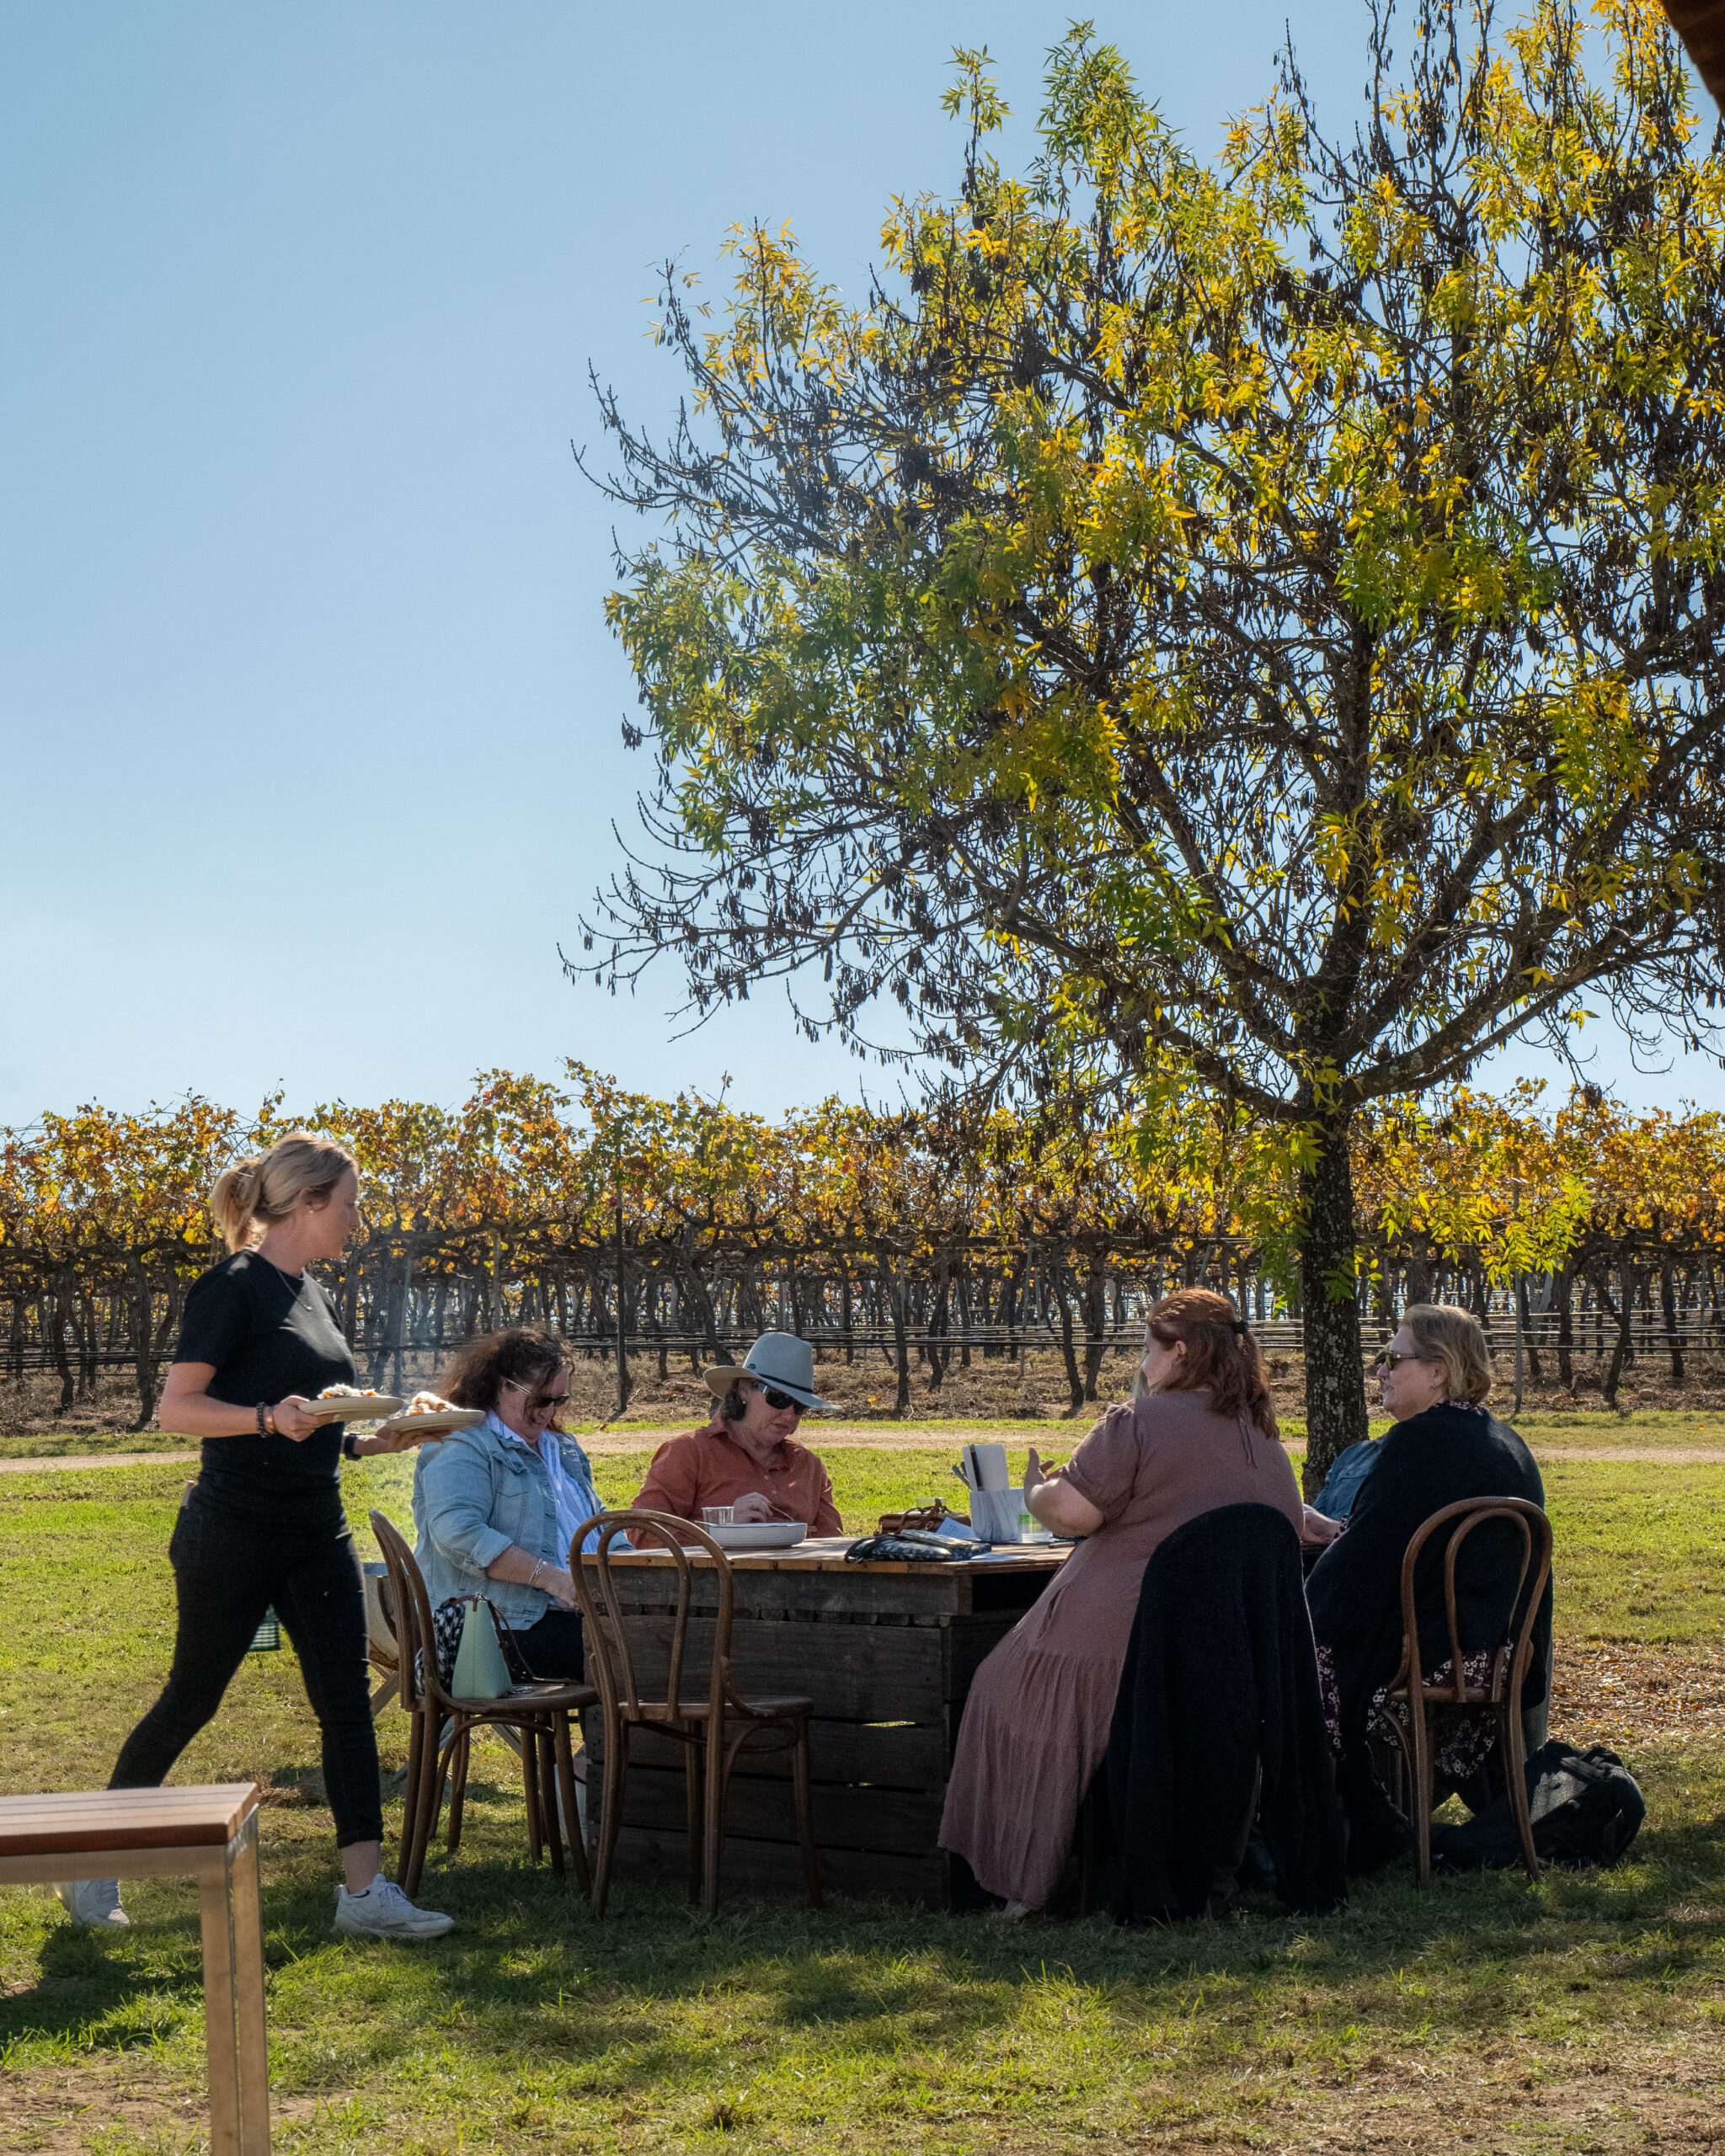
264 1524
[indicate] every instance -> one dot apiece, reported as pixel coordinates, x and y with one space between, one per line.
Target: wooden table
210 1832
887 1651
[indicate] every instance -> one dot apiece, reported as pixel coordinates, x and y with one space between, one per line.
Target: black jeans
551 1648
227 1570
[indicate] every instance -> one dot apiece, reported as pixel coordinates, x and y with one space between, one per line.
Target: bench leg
248 1994
233 1999
220 2032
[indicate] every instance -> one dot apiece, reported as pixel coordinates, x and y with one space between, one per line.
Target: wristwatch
350 1446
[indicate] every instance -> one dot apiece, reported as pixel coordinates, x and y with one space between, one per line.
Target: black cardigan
1431 1460
1221 1688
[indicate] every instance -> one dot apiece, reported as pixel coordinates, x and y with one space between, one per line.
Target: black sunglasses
535 1402
778 1401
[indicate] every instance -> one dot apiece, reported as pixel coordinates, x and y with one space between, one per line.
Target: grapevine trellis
677 1230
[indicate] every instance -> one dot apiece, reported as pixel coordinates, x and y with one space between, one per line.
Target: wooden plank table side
886 1649
210 1831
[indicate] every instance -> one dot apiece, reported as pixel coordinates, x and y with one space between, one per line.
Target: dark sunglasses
1388 1361
536 1403
778 1401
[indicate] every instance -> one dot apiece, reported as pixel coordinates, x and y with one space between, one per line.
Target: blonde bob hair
1455 1339
253 1194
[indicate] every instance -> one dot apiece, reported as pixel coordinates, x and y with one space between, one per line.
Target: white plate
759 1534
358 1408
433 1421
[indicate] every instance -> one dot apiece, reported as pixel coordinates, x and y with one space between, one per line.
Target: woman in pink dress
1198 1433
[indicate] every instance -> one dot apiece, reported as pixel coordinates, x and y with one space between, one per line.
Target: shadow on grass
644 1997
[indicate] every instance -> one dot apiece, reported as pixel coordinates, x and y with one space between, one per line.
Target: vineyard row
637 1227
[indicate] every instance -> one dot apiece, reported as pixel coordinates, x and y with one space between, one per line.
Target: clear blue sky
310 717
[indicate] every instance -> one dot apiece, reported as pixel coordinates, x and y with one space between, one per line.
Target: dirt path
48 1461
1053 1443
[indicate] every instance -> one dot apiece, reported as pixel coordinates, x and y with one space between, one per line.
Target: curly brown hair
1220 1354
519 1356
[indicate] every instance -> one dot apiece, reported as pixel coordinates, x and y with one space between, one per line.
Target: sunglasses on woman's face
537 1403
1388 1361
778 1401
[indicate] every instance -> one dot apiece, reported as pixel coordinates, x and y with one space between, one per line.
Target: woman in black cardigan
1445 1446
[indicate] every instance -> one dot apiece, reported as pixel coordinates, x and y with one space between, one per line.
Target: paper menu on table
986 1467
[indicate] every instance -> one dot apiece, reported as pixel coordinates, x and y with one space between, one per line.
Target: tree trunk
1667 1304
1626 1318
893 1278
58 1315
1524 1318
938 1350
1335 1373
1096 1325
141 1329
698 1299
1060 1279
1564 1290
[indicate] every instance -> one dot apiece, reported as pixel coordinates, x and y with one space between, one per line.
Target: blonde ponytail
254 1194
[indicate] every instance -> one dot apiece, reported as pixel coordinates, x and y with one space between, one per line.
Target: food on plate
349 1392
431 1403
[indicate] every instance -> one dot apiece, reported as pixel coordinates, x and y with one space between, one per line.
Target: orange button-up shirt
709 1467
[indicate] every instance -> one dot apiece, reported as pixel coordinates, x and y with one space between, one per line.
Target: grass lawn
1576 2014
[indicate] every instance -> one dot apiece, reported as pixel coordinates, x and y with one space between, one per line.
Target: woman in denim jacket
497 1506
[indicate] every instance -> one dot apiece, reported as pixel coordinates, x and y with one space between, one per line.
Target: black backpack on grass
1587 1809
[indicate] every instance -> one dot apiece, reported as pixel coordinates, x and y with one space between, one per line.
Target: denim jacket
476 1493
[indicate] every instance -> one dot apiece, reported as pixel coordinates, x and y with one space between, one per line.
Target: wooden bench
213 1833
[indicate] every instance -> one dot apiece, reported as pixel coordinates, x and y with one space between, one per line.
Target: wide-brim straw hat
779 1360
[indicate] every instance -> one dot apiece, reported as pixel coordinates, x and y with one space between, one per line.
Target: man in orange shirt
746 1456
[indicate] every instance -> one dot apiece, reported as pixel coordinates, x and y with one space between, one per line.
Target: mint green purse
481 1672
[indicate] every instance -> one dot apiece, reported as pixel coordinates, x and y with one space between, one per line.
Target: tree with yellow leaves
1247 626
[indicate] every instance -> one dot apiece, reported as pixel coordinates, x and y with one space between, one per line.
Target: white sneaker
384 1911
92 1900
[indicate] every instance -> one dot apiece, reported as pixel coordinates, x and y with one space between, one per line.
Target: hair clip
1240 1326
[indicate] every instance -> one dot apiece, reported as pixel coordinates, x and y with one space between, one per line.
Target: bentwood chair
1417 1695
536 1715
706 1715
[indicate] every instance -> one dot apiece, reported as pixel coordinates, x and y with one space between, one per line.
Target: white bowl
761 1533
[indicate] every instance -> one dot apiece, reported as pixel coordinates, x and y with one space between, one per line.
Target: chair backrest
611 1657
1533 1529
414 1636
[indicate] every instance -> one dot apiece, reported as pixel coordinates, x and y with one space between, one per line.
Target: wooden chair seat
748 1709
714 1730
535 1717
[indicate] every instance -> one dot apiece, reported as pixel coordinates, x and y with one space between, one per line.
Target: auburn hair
1220 1354
519 1356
